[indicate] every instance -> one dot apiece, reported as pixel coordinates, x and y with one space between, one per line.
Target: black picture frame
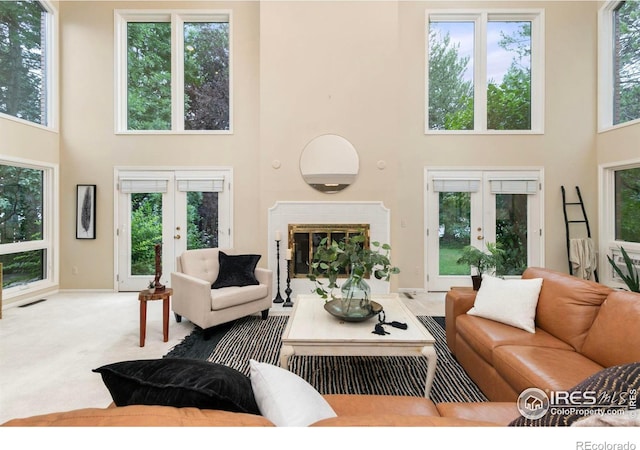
85 211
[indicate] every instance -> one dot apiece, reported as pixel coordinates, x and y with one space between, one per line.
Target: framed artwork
86 211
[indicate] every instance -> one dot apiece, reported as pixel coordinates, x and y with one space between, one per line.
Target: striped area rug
254 338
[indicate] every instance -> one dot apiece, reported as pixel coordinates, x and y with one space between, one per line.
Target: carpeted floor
233 344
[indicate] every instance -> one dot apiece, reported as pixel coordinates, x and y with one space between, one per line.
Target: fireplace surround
284 214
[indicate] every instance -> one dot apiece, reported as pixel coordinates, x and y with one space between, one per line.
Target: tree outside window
626 84
627 205
178 88
454 85
23 60
22 223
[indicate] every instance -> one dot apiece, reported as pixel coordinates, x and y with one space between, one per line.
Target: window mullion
122 68
480 78
177 73
537 73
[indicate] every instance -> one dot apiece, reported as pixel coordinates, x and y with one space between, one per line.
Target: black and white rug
233 344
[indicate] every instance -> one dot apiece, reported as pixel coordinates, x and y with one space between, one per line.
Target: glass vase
356 295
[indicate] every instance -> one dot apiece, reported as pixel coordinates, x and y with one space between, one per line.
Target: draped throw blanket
582 256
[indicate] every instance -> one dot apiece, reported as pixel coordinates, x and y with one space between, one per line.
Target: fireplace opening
304 239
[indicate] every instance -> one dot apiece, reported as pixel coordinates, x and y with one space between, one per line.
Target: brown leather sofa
351 410
582 327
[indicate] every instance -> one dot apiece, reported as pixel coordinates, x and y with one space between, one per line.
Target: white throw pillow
286 399
512 302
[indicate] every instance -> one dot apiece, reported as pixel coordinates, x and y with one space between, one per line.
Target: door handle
177 236
480 238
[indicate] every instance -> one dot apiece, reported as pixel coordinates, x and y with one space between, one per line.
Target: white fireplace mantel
284 213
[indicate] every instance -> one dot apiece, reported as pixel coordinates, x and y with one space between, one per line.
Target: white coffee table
311 330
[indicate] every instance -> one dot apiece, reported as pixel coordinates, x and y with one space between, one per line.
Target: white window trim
605 69
606 222
480 17
51 73
51 238
176 18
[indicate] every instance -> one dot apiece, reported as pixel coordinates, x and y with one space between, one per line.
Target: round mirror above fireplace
329 163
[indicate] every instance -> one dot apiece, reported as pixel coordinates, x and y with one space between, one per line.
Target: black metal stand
288 291
278 298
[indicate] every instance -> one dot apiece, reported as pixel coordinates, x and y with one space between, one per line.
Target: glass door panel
202 220
146 232
511 232
454 231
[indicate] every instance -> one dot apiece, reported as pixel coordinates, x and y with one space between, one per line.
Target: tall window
621 214
26 69
619 63
627 204
26 225
484 72
178 85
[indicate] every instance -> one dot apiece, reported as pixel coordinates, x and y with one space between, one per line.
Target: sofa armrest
265 276
457 301
191 295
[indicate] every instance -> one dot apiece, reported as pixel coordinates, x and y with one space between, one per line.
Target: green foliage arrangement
631 278
349 256
482 261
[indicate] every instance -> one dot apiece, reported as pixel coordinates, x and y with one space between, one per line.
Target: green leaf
631 278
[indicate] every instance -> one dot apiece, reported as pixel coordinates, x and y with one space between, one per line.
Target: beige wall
19 140
302 69
618 145
90 149
357 69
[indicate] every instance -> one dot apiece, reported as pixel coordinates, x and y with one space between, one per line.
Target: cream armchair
196 300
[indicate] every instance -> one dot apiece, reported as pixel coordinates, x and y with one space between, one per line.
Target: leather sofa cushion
563 297
142 416
349 405
484 335
501 413
399 420
545 368
235 295
614 337
613 388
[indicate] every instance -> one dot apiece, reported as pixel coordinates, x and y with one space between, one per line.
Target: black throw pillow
236 270
179 382
613 388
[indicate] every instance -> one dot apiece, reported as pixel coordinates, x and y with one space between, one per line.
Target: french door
476 207
179 210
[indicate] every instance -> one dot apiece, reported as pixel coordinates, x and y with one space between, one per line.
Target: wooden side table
151 294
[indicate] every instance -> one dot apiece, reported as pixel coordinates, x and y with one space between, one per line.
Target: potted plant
483 262
350 256
631 278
